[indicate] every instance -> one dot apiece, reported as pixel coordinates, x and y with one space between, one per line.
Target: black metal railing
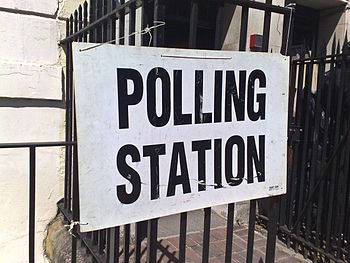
32 146
97 23
315 213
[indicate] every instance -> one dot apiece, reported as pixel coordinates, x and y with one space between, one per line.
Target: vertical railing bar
252 206
192 41
96 18
105 24
244 29
182 239
229 232
152 240
113 22
80 21
109 22
320 201
206 235
303 160
126 243
99 13
69 117
274 201
251 230
85 21
145 22
286 199
75 194
285 31
316 132
101 240
95 237
102 26
297 148
309 183
218 25
122 24
340 230
109 245
92 17
272 230
132 23
68 148
347 226
76 24
266 29
344 236
138 241
159 15
116 244
32 188
334 166
343 176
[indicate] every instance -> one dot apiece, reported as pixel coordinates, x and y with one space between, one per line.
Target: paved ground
168 242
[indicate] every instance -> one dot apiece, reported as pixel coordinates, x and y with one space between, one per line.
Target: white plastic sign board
163 131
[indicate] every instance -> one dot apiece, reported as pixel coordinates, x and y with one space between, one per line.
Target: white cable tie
201 182
72 225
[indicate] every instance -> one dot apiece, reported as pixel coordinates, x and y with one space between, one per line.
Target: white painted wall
31 109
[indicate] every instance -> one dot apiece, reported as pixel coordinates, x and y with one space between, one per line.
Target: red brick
241 233
260 244
280 254
257 256
217 249
174 241
192 256
198 249
219 259
219 234
237 258
190 242
198 237
239 244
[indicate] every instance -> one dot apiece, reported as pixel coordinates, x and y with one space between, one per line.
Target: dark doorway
305 32
178 19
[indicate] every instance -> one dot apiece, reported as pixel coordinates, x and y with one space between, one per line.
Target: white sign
163 131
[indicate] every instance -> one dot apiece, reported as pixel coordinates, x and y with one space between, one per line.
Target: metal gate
315 213
104 21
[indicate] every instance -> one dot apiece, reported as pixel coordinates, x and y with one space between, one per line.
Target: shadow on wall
332 24
228 12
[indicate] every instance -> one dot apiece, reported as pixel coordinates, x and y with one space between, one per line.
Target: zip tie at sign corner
72 225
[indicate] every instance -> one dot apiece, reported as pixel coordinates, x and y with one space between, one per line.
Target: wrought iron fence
315 213
32 147
103 21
